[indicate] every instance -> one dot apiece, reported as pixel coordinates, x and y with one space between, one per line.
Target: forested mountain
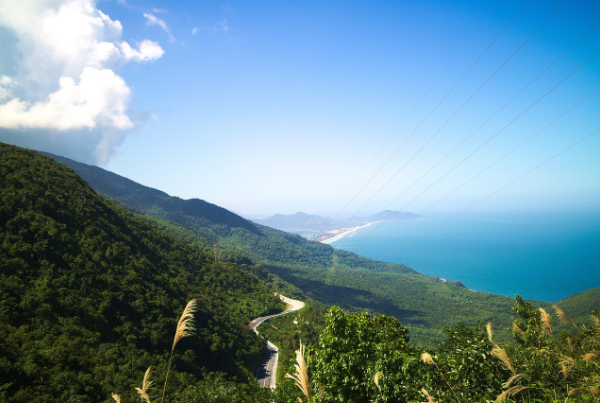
425 304
90 296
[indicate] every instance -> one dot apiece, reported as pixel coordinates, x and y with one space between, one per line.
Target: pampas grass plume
490 334
300 377
545 317
511 391
562 316
184 326
145 385
117 398
184 329
517 329
501 354
426 358
429 397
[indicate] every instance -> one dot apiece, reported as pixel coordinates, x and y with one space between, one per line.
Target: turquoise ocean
539 255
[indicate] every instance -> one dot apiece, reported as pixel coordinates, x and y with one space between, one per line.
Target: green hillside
424 304
90 296
579 306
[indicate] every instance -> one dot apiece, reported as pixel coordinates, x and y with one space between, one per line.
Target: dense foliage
359 358
90 296
423 303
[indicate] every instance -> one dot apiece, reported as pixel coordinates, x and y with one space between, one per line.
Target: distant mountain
317 225
300 221
392 216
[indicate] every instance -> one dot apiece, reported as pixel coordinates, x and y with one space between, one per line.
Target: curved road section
266 374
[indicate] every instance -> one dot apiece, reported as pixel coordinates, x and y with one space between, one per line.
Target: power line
457 111
415 108
493 115
493 136
492 194
487 168
435 108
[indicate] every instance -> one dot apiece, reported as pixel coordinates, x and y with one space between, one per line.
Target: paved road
266 374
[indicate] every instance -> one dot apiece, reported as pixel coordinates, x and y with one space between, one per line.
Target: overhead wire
415 108
456 112
487 167
435 108
493 193
493 136
493 115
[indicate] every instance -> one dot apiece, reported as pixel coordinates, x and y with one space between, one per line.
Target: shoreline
347 232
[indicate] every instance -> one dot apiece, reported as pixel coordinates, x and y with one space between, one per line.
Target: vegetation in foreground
359 358
90 295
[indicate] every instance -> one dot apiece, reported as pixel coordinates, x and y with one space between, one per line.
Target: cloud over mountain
66 82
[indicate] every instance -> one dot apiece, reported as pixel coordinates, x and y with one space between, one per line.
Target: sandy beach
345 232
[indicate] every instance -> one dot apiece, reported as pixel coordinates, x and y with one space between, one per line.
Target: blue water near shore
539 255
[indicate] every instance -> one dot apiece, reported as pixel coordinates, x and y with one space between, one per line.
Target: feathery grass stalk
511 391
566 365
596 320
301 376
501 354
429 397
145 385
591 357
378 376
117 398
427 359
562 316
570 344
545 318
517 329
490 334
184 329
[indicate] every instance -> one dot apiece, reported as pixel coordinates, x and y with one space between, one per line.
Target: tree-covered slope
332 276
580 305
90 295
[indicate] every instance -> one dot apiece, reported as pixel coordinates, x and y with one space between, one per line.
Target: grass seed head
517 329
490 334
509 392
426 358
429 397
117 398
591 357
185 327
501 354
146 383
300 377
562 316
545 318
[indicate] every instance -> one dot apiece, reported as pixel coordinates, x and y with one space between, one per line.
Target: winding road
266 374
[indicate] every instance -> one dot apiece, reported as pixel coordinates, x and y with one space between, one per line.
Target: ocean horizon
543 256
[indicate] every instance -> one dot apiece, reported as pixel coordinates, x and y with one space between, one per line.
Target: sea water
543 256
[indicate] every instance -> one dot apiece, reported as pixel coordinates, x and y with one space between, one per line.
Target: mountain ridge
423 303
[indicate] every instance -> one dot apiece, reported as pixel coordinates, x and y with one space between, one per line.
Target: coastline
347 232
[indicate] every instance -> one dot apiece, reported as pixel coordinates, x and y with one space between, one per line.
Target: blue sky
278 107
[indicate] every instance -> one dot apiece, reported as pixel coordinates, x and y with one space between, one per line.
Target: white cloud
151 19
148 51
194 30
67 77
99 99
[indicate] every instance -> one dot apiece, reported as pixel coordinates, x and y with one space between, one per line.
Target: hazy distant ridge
301 222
